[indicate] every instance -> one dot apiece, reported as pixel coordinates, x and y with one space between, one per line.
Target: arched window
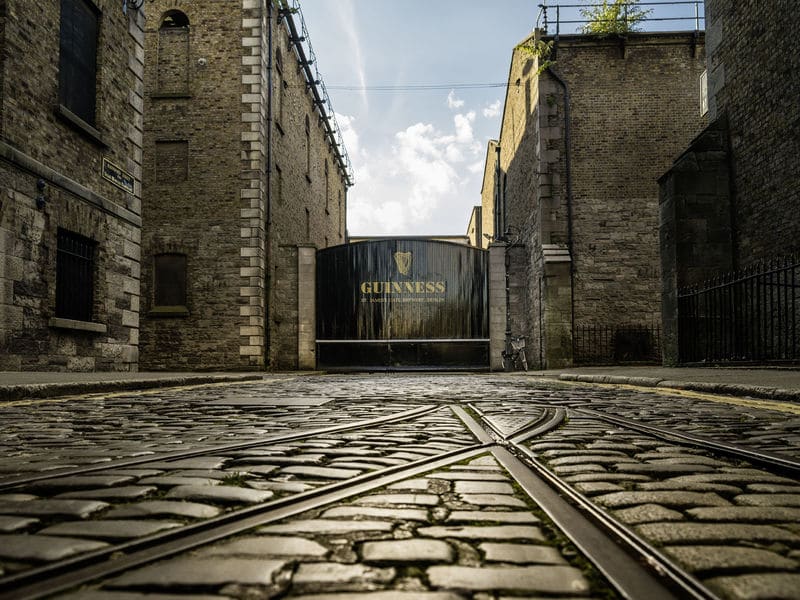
173 53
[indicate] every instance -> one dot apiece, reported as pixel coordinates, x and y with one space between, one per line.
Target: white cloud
493 110
452 101
422 174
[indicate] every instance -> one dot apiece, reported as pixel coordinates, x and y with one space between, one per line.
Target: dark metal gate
402 303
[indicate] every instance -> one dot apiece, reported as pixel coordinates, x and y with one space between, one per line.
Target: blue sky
418 155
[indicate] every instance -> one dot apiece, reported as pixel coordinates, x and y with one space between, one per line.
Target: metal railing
742 316
616 344
569 18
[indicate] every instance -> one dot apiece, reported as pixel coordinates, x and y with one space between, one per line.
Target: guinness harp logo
403 261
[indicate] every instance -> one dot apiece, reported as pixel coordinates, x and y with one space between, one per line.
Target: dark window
74 276
278 184
170 280
308 147
77 67
173 54
327 188
281 85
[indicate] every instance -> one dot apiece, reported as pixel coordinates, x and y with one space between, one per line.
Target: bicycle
516 357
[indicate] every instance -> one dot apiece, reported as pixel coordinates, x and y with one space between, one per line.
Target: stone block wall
634 107
753 60
52 167
259 178
192 187
618 111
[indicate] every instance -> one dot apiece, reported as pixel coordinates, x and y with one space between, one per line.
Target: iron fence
616 344
649 16
742 316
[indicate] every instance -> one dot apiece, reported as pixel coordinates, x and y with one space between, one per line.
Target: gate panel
402 303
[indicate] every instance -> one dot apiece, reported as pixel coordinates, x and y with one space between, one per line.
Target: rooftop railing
633 16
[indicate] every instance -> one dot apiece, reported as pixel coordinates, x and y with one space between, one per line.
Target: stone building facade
730 200
242 172
70 195
581 147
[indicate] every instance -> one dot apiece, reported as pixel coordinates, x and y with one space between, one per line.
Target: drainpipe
268 211
498 226
568 169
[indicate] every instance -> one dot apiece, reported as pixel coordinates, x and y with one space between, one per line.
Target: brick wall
44 152
631 116
235 214
632 108
753 62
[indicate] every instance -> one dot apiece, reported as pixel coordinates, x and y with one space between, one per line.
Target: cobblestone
41 548
108 530
270 546
548 580
223 494
193 573
697 559
418 550
80 509
728 522
676 533
758 586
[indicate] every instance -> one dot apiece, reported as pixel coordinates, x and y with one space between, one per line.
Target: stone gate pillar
497 304
306 308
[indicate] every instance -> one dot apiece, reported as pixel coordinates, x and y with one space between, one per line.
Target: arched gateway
402 303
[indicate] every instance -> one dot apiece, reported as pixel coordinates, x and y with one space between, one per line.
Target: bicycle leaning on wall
514 360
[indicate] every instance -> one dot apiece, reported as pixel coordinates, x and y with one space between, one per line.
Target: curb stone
49 390
730 389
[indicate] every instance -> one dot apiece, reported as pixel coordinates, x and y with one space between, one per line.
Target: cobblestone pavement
97 475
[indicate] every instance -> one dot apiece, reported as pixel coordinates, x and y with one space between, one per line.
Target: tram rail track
630 563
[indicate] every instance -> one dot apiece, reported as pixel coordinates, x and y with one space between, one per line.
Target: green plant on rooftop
612 17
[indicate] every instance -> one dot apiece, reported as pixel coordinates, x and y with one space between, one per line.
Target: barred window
75 258
169 280
77 63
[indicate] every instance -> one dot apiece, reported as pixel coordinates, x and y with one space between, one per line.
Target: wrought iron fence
616 344
649 16
742 316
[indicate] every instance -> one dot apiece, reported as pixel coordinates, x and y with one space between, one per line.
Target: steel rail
547 421
631 565
550 420
70 573
764 459
591 529
19 481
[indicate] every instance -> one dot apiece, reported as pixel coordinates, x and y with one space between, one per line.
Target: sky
418 155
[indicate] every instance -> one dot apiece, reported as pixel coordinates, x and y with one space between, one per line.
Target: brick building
70 171
243 171
730 200
572 188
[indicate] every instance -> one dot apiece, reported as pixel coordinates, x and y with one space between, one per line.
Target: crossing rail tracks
436 487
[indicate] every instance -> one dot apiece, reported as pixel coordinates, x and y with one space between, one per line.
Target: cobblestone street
386 487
